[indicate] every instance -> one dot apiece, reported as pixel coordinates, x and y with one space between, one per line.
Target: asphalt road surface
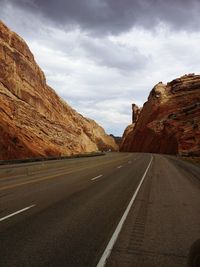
65 213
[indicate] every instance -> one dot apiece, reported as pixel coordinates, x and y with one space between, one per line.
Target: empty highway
70 212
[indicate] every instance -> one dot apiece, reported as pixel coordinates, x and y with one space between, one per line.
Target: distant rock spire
135 113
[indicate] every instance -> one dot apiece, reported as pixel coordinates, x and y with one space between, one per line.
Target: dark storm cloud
114 56
115 16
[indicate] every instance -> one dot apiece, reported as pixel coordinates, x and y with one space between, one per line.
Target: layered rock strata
169 121
34 120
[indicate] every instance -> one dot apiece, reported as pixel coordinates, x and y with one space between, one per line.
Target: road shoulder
163 222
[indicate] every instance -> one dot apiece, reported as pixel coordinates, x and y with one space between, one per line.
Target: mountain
169 121
117 139
34 120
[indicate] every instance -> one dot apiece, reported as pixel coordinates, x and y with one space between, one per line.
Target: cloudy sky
103 55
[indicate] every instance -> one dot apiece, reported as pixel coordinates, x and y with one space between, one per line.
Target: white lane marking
114 237
119 167
15 213
97 177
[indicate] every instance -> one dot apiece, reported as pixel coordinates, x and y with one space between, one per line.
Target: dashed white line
97 177
114 237
15 213
119 167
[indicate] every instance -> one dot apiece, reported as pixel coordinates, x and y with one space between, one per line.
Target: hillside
34 120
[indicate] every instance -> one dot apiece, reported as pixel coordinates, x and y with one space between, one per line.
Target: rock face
34 121
135 113
129 129
169 122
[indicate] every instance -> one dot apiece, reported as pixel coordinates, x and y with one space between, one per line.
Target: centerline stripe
33 181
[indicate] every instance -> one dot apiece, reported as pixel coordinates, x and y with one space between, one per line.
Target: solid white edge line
15 213
115 235
97 177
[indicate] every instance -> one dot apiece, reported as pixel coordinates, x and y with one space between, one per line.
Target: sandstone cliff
124 145
169 121
34 121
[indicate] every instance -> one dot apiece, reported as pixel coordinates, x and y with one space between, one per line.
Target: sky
101 56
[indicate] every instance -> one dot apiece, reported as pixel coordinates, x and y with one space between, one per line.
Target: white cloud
101 77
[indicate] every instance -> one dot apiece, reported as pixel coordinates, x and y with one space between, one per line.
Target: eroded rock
34 120
169 121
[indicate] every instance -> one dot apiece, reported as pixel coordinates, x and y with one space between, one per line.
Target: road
64 213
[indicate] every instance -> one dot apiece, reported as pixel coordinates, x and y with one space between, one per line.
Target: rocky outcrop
169 121
135 113
129 129
34 120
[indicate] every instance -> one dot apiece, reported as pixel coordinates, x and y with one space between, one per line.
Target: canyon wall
169 121
34 120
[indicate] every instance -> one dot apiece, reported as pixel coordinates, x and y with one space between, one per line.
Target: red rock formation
135 113
129 129
169 121
34 120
